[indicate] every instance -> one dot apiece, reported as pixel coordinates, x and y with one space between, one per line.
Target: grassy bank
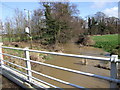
107 42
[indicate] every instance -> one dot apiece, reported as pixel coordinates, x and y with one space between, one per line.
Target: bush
88 41
85 40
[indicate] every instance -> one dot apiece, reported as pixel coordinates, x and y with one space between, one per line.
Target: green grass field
106 42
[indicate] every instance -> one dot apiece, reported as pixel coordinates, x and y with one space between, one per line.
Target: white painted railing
113 59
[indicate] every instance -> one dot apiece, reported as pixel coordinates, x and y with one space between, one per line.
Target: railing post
114 70
1 56
28 64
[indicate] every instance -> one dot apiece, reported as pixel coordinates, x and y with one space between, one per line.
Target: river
75 63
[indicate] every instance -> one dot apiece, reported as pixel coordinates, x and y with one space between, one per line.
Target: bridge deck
13 76
6 83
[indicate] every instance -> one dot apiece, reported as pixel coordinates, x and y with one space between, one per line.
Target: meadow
109 43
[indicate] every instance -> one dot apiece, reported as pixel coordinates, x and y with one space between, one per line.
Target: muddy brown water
75 63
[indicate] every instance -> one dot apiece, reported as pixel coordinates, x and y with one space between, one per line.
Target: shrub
85 40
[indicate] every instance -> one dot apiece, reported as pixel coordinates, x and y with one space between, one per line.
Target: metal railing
113 79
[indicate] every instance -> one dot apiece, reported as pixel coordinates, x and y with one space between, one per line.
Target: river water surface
75 63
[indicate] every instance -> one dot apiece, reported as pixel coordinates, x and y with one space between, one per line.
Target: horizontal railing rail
27 74
61 81
113 60
65 69
30 76
62 54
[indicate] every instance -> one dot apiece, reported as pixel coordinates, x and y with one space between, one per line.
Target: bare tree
1 25
20 24
9 29
37 22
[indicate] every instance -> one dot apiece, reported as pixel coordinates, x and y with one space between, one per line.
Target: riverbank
109 43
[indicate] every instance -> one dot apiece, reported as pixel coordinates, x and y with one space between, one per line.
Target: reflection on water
75 63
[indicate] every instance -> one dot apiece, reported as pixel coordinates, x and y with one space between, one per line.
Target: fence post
1 56
114 70
28 64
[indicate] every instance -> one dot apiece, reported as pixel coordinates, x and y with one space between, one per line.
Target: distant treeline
100 24
57 22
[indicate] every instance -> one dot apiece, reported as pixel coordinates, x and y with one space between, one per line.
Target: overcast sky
86 8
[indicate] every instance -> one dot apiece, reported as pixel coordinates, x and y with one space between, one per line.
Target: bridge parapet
29 78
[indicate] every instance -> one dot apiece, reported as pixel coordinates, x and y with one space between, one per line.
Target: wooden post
28 65
1 56
113 72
